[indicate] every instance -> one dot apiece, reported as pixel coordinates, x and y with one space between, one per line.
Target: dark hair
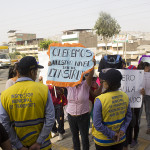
13 71
10 73
25 71
142 65
112 86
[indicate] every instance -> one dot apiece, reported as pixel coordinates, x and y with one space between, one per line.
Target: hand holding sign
68 65
49 63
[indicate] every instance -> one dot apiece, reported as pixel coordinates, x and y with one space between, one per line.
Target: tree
14 55
107 27
45 44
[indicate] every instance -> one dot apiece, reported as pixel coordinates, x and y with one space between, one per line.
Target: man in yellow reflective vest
26 109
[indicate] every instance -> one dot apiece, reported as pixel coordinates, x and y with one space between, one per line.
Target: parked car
5 60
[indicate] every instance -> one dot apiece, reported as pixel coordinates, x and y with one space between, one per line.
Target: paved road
3 78
66 143
3 73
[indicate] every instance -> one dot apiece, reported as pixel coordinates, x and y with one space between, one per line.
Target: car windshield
4 56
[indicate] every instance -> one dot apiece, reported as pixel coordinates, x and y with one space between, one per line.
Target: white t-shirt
9 83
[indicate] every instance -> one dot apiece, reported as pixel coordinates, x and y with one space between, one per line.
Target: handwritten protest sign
68 65
131 84
147 83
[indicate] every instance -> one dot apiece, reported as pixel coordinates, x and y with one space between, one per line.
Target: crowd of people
32 113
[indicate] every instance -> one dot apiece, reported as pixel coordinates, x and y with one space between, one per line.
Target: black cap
111 75
29 62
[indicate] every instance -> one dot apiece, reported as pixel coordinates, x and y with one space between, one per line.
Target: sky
47 18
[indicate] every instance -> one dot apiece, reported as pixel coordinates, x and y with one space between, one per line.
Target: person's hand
118 136
40 78
115 137
49 63
23 148
142 91
35 146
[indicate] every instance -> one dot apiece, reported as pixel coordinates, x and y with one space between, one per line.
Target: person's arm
98 122
49 120
98 91
127 120
4 119
90 75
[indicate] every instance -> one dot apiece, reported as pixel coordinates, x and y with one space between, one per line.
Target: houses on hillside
130 46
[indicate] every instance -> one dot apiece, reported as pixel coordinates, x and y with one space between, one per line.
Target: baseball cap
29 62
111 75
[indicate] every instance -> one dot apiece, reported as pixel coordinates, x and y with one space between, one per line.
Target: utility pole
125 48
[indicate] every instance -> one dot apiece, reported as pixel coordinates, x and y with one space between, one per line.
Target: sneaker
148 131
54 134
133 144
60 137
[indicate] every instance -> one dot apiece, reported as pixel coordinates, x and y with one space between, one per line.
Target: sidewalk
66 143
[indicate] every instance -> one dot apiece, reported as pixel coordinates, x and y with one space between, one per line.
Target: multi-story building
84 36
29 47
130 47
26 43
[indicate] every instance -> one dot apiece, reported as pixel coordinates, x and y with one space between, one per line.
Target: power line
87 14
66 12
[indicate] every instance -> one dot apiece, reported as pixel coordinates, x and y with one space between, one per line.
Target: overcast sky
50 17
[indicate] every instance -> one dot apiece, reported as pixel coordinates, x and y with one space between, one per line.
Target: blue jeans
79 123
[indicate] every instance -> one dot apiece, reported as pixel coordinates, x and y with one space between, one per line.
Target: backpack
110 61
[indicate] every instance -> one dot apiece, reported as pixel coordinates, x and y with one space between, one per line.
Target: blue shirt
47 126
98 121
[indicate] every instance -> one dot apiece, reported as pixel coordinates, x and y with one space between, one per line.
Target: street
66 143
3 78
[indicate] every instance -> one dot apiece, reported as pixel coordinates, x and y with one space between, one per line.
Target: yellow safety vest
114 109
25 104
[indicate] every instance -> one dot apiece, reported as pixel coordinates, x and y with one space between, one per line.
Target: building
85 37
26 43
130 47
29 47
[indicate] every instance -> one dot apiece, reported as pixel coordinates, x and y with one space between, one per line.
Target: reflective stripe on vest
107 141
45 144
25 104
24 137
114 108
28 122
114 122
